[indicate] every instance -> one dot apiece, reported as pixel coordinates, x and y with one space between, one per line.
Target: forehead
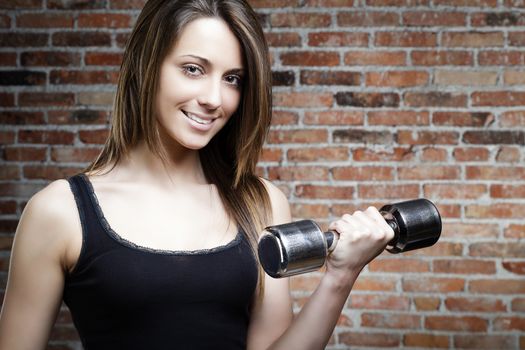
212 39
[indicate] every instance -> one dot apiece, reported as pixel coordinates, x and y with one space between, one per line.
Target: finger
376 215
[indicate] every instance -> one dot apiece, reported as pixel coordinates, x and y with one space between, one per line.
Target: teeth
197 119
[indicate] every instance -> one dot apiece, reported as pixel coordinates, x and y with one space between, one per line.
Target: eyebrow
207 62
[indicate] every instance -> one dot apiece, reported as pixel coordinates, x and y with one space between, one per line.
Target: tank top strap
94 237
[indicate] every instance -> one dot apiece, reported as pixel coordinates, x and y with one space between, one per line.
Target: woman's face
200 83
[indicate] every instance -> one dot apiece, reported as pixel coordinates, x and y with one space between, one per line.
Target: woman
153 247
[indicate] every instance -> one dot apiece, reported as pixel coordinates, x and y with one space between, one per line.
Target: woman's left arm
362 236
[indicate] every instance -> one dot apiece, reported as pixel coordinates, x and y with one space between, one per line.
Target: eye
234 79
192 70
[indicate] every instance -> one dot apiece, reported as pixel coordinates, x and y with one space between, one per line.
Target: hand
362 236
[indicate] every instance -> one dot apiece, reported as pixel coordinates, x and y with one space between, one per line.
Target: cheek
231 101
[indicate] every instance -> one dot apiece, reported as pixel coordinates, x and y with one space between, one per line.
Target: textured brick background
375 101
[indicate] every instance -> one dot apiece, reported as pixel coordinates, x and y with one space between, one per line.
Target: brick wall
375 101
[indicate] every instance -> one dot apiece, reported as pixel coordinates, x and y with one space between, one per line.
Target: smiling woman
153 246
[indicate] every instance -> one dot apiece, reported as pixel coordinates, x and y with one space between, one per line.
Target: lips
199 118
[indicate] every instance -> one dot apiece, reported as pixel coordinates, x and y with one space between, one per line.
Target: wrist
338 280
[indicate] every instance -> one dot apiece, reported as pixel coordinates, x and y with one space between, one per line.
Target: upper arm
272 313
37 269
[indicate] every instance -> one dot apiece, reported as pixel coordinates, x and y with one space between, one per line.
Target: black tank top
124 296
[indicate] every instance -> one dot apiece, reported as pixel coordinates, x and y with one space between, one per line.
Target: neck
178 167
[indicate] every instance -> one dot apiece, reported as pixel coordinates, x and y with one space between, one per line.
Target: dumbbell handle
301 246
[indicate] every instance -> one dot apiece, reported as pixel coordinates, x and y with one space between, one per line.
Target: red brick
5 21
297 136
516 38
433 154
390 191
45 99
397 154
7 59
466 3
442 58
49 58
379 302
460 323
470 304
507 191
434 18
449 77
326 3
433 284
365 173
310 211
469 231
481 341
495 173
497 210
425 172
472 39
425 340
7 99
410 137
317 154
80 116
518 304
103 58
497 19
74 154
334 117
98 136
300 20
471 154
17 4
44 20
76 4
81 38
336 39
497 249
354 135
375 58
463 118
121 39
46 137
397 117
435 99
9 172
7 208
398 265
303 99
367 19
271 155
427 303
517 267
284 118
24 39
406 39
298 173
309 58
19 190
105 20
402 3
82 77
309 77
367 99
464 266
390 321
286 39
324 192
500 58
512 118
515 231
497 286
396 78
454 191
7 137
273 3
509 324
507 154
25 154
498 98
49 172
383 284
374 340
22 118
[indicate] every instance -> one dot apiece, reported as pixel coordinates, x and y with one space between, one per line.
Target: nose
211 95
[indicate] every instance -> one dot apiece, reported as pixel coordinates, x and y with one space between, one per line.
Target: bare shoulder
280 206
50 221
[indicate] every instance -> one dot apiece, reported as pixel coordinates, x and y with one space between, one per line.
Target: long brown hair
230 158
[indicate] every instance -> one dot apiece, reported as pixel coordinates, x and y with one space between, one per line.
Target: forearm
313 326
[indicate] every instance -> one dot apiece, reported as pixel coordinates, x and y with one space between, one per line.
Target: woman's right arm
39 259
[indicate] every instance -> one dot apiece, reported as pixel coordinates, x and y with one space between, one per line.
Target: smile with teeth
197 119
